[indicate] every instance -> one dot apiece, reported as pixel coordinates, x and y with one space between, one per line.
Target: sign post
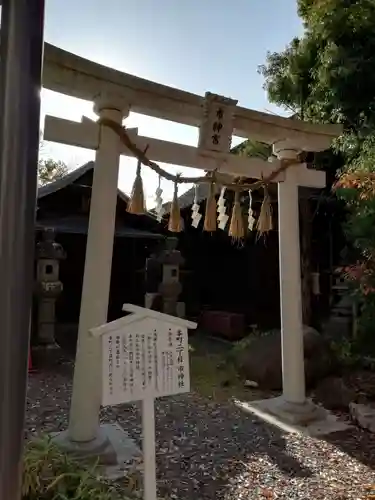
145 355
148 448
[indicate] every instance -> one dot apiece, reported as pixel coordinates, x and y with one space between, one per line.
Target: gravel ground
214 451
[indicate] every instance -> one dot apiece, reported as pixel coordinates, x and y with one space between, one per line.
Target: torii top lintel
70 74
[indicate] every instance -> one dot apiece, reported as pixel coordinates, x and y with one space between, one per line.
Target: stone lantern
48 286
170 287
153 277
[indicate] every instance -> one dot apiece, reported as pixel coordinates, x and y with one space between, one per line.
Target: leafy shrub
245 343
344 352
356 187
50 474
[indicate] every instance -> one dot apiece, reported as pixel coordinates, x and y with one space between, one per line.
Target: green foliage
49 474
245 343
364 160
356 186
240 346
366 327
212 374
328 75
344 352
287 75
50 170
253 149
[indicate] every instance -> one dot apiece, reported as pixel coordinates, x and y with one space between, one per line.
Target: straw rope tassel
174 224
210 224
136 204
237 228
264 224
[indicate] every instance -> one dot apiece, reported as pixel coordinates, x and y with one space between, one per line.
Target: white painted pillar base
86 397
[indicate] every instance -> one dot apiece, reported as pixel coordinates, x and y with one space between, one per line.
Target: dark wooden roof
68 179
78 224
71 178
64 214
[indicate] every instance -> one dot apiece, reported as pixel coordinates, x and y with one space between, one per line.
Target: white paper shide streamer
251 219
222 217
195 215
159 202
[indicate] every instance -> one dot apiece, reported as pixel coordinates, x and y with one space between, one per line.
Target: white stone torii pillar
86 397
293 408
290 282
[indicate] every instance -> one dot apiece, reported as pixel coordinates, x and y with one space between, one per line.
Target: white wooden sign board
144 356
145 359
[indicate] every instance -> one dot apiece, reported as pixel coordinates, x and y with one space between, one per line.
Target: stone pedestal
170 287
48 286
112 446
46 319
181 309
153 275
341 321
306 417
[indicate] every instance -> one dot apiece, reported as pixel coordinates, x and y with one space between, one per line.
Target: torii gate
115 94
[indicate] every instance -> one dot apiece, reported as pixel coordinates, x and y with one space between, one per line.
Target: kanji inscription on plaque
145 354
216 128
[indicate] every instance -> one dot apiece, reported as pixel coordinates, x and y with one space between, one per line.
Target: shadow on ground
209 449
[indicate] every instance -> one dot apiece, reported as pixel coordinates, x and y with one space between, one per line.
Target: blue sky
195 45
